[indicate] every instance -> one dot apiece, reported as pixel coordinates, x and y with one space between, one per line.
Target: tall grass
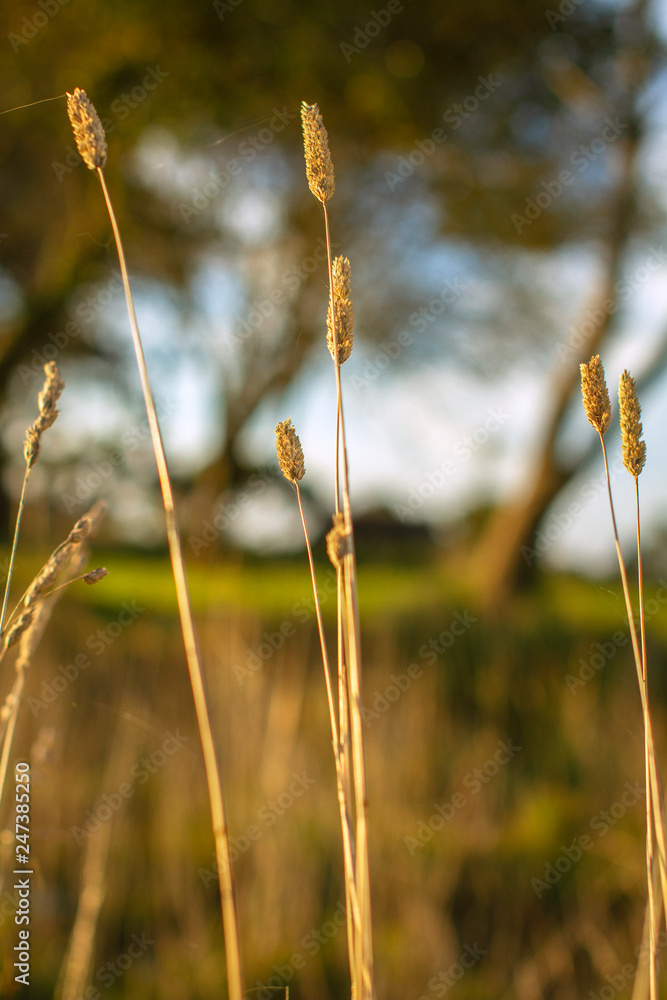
346 720
26 623
598 410
91 142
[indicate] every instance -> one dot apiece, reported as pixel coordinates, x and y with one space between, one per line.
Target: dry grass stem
46 402
319 171
29 628
287 443
598 410
92 146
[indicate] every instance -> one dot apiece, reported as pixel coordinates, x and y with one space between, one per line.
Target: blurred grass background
468 885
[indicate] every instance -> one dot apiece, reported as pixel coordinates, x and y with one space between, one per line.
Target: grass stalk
193 657
338 746
598 410
653 797
27 631
352 646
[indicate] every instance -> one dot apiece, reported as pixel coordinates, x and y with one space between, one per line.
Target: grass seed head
319 168
290 452
42 582
634 449
48 397
88 132
342 311
595 394
31 447
95 575
80 530
338 541
18 628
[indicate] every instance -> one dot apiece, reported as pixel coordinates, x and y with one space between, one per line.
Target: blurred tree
493 97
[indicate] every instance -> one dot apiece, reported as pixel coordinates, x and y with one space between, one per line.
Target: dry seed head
48 397
343 311
42 582
338 541
31 446
95 515
19 627
595 394
290 453
95 575
88 132
634 449
319 168
80 530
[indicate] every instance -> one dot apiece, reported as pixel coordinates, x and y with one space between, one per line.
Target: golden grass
598 410
91 143
346 719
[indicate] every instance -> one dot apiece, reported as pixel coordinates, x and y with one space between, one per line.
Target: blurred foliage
472 880
185 88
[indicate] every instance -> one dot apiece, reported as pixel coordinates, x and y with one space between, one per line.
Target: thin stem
649 821
320 624
12 557
334 338
11 706
653 795
345 818
640 576
232 952
364 949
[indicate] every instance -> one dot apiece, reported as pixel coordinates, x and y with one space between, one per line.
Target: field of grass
484 767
